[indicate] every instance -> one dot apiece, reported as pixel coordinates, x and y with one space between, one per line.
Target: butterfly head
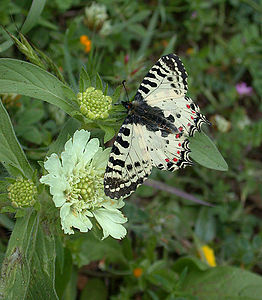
127 104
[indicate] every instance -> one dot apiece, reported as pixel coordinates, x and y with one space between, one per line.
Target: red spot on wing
167 160
180 128
178 152
174 159
192 117
179 144
177 135
188 124
188 106
193 112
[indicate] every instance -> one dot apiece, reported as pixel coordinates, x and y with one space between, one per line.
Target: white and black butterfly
155 131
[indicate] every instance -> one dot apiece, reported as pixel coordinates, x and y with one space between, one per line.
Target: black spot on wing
148 82
144 89
125 131
117 162
159 73
150 75
137 164
115 150
124 144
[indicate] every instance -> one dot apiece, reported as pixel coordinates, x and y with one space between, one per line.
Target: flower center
87 191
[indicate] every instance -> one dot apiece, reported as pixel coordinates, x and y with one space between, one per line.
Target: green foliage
220 44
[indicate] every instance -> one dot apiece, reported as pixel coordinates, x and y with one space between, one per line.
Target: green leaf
99 83
150 31
223 283
108 249
206 153
71 289
170 47
31 116
190 262
84 80
28 267
30 134
205 227
23 78
33 15
116 94
6 222
68 60
63 271
109 132
94 289
10 150
30 21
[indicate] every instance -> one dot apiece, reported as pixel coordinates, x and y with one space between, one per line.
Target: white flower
76 183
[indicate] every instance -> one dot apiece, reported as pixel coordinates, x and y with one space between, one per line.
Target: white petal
80 140
70 218
69 161
53 165
113 204
110 221
91 148
101 158
59 199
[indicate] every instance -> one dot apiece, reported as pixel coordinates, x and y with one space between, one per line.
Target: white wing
129 163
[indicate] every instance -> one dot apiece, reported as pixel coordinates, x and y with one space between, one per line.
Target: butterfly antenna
123 82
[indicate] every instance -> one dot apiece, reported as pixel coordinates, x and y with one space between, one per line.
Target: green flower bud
94 104
22 193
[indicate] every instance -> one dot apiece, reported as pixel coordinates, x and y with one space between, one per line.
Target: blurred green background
219 42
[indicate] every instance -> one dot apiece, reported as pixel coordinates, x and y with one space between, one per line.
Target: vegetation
197 234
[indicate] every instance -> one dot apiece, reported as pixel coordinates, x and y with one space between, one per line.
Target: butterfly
155 132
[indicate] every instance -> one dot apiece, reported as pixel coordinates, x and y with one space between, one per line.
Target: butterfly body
155 131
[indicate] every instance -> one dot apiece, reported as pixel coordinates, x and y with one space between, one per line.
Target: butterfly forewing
155 132
129 164
168 73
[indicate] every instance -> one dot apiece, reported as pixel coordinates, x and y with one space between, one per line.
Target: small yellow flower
137 272
208 255
190 51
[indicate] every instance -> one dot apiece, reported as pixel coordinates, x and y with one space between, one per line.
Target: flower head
96 19
93 104
76 183
22 193
137 272
84 40
209 256
96 15
222 124
243 89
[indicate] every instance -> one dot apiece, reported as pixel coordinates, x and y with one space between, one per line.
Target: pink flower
126 59
243 89
194 15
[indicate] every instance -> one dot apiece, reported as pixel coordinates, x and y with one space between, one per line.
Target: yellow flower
190 51
137 272
208 255
84 40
